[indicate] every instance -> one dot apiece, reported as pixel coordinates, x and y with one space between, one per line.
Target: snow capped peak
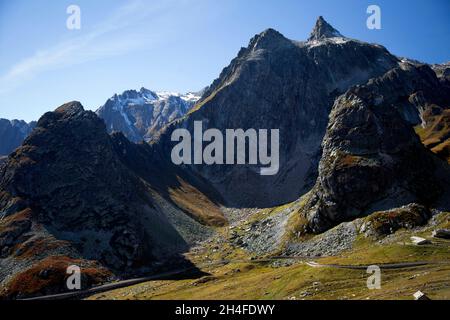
133 97
148 94
164 95
191 97
139 114
188 97
148 97
324 41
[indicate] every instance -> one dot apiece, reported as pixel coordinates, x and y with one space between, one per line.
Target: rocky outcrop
372 159
278 83
381 224
12 134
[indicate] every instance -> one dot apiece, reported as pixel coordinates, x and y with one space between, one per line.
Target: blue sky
176 45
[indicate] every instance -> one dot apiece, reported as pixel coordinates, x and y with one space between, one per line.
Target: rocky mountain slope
68 196
140 114
12 134
435 131
372 159
277 83
435 127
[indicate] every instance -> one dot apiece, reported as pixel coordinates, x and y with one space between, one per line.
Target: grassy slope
266 280
197 205
297 281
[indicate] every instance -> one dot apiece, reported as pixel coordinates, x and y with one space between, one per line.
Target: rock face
140 114
323 30
277 83
372 159
67 195
12 134
434 129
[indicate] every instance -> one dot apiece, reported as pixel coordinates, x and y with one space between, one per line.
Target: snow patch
335 40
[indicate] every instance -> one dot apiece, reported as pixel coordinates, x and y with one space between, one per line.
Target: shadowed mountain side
66 198
277 83
187 190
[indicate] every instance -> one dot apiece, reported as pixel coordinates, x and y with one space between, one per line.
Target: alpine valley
364 156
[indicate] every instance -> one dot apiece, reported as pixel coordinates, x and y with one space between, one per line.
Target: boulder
441 233
420 241
419 295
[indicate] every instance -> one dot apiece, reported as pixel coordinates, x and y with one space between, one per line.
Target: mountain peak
271 33
70 108
140 114
268 39
323 30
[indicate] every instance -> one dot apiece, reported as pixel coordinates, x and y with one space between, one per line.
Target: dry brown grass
49 275
349 160
197 205
36 247
435 135
9 222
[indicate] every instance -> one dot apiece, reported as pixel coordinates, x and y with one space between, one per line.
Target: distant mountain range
137 114
140 114
12 134
79 191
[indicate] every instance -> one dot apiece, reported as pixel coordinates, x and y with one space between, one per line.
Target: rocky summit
323 30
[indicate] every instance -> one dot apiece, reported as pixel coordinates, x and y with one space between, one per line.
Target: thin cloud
105 40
